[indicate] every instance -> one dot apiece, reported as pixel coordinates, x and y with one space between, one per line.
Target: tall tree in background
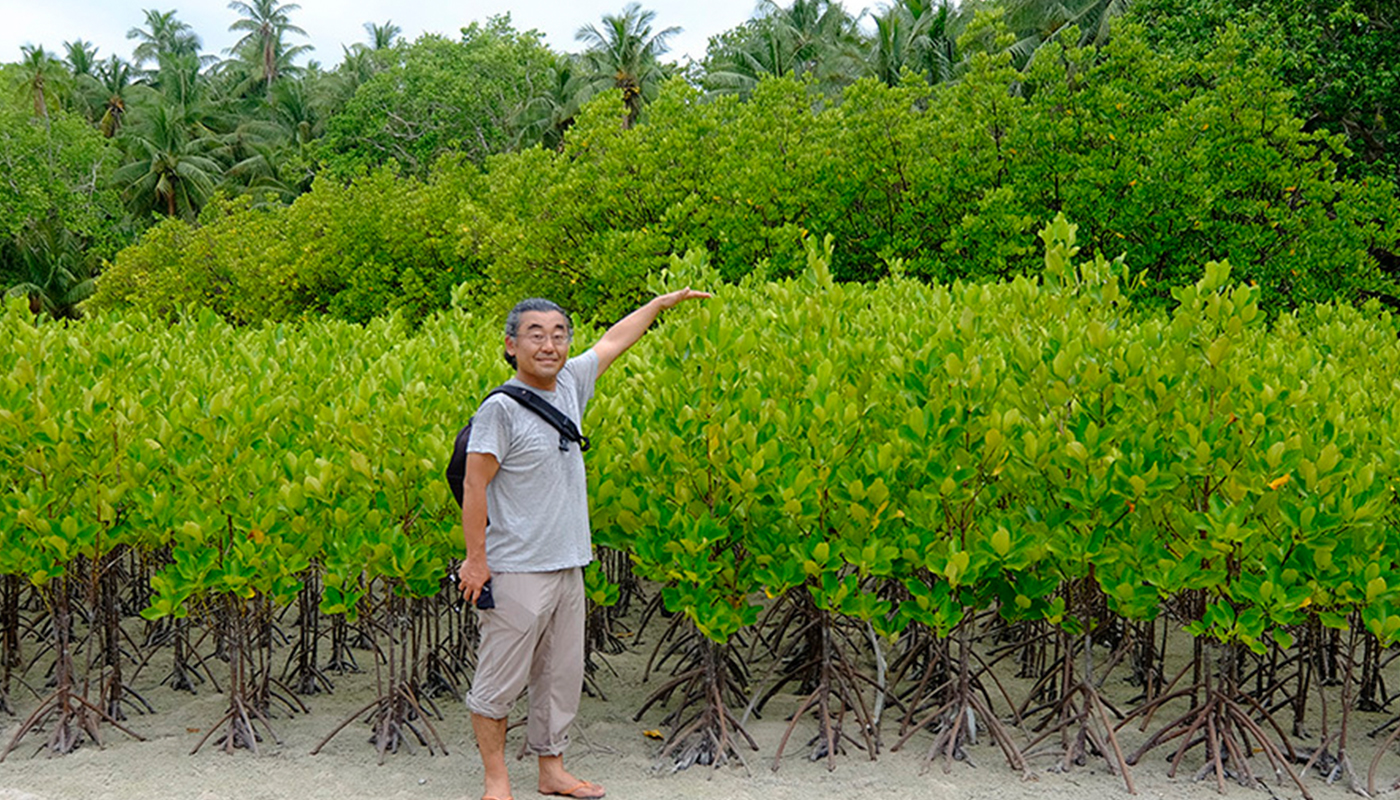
814 39
625 53
382 37
1341 59
57 212
42 79
162 35
1041 21
82 57
437 96
263 45
51 267
550 112
920 35
114 78
821 35
83 66
169 171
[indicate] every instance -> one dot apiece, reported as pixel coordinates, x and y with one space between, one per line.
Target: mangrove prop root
1083 724
392 719
1226 730
73 716
955 721
835 695
708 673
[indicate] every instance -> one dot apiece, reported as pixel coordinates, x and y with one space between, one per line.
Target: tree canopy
932 140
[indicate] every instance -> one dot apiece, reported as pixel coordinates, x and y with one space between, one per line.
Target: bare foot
578 788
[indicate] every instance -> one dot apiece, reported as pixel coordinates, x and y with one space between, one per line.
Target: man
536 543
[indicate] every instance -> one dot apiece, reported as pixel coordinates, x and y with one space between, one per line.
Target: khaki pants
532 638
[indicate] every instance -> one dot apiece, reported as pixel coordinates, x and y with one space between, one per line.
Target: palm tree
82 64
50 266
820 34
163 35
917 34
255 149
82 57
113 78
170 171
262 44
42 79
550 113
624 53
1042 21
815 38
180 83
382 37
739 59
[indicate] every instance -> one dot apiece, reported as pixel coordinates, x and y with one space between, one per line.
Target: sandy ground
608 747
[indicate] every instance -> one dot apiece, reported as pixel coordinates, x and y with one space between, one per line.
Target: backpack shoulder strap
568 431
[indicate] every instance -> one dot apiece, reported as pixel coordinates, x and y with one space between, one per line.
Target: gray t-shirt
537 505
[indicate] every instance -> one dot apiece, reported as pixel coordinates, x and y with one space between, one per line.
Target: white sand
608 747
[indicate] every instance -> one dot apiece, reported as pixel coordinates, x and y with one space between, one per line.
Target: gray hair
532 304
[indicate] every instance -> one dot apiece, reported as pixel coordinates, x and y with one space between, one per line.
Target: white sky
331 24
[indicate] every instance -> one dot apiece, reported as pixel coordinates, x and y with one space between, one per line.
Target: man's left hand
680 296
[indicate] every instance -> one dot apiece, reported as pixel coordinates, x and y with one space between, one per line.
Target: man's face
540 347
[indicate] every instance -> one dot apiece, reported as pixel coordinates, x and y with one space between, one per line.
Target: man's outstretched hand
680 296
631 327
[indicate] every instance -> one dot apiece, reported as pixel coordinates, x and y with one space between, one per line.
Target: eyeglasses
538 338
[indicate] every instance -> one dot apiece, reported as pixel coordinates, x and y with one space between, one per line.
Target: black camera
484 600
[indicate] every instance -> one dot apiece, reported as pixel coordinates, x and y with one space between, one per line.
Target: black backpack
568 432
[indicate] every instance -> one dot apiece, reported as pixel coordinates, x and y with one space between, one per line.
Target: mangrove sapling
246 641
600 635
342 658
68 714
1036 645
598 641
1147 658
1299 667
1338 767
445 666
1222 721
1372 694
301 671
1380 751
188 669
1037 649
818 656
1081 715
617 569
108 579
925 668
11 655
452 649
955 720
707 677
395 713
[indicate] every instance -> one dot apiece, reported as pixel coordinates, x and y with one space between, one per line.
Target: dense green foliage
936 144
990 443
355 251
904 410
438 96
1175 162
58 215
899 454
1339 59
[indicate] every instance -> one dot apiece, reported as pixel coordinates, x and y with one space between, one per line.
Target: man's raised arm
631 327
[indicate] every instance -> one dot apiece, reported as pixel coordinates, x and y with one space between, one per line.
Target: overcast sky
331 24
